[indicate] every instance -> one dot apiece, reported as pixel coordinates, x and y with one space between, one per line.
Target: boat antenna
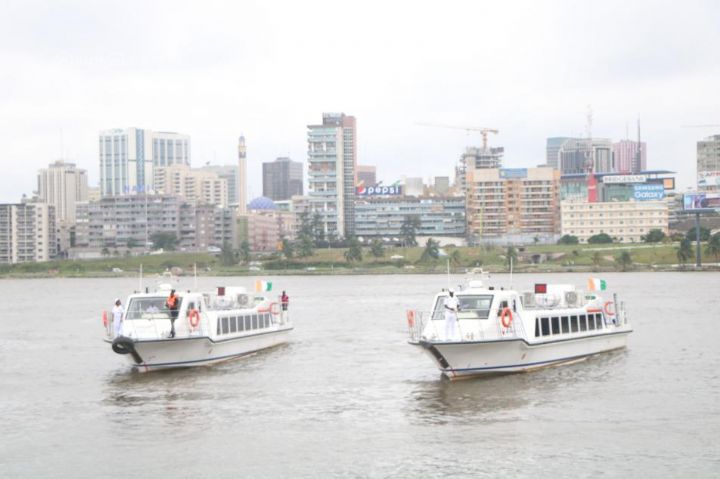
140 289
511 271
448 273
195 274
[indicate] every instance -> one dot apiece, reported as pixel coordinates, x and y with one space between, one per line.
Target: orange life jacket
172 301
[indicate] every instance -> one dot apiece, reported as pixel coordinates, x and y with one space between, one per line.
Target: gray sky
267 69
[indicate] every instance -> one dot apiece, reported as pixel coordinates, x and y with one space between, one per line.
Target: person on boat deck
452 306
284 301
172 304
117 313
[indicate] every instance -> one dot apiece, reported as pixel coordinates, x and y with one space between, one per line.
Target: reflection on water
498 398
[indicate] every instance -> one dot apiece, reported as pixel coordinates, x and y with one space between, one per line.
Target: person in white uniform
117 313
451 309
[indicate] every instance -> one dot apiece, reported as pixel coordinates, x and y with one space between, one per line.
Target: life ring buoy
606 308
273 308
411 318
105 319
194 318
506 317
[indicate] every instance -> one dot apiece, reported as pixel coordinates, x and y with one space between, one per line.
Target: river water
349 398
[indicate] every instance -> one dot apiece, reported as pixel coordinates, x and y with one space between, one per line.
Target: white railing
421 326
158 328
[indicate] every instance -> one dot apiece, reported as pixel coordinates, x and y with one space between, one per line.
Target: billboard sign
701 201
648 192
708 179
379 190
511 173
624 179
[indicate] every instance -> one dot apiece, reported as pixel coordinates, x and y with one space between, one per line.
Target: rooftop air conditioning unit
571 299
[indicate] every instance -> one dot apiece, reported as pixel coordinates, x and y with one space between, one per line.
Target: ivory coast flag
597 284
263 285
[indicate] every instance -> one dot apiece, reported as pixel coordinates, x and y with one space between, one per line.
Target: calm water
349 398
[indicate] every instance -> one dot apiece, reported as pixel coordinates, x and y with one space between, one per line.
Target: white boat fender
125 345
506 317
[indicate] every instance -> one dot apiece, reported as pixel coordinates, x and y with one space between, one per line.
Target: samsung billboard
648 192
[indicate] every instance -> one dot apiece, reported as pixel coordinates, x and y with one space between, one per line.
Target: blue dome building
262 203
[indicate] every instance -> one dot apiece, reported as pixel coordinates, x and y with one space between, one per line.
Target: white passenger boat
504 331
210 327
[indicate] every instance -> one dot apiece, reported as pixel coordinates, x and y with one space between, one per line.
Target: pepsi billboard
379 190
649 192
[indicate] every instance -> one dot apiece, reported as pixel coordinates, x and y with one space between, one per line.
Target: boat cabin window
239 324
574 324
474 307
565 323
568 324
555 325
583 323
148 308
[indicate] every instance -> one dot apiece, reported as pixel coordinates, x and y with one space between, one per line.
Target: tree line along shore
371 259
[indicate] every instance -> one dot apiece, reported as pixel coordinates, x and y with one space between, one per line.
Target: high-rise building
367 175
475 157
197 185
441 186
121 221
128 158
242 176
383 216
578 155
62 185
627 158
231 174
708 164
414 186
518 203
332 159
27 232
552 150
282 179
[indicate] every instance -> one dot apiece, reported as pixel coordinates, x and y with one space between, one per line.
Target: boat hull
152 355
464 359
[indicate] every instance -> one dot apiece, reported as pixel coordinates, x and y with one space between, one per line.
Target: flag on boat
597 284
263 285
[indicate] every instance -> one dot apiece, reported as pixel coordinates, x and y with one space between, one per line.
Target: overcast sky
267 69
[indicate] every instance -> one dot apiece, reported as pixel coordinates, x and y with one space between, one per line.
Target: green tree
568 239
684 252
654 236
456 257
227 255
713 246
105 252
596 259
287 248
377 249
354 252
245 251
511 254
431 251
132 243
704 234
625 260
164 240
600 238
408 230
305 246
306 226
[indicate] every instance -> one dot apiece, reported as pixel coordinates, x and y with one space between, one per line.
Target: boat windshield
148 308
471 307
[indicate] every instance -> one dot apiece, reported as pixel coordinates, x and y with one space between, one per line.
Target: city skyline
88 68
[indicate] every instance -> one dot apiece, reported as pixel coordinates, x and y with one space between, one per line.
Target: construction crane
483 131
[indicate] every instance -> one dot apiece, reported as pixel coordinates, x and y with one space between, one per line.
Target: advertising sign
669 183
701 201
379 190
708 179
648 192
509 173
624 179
